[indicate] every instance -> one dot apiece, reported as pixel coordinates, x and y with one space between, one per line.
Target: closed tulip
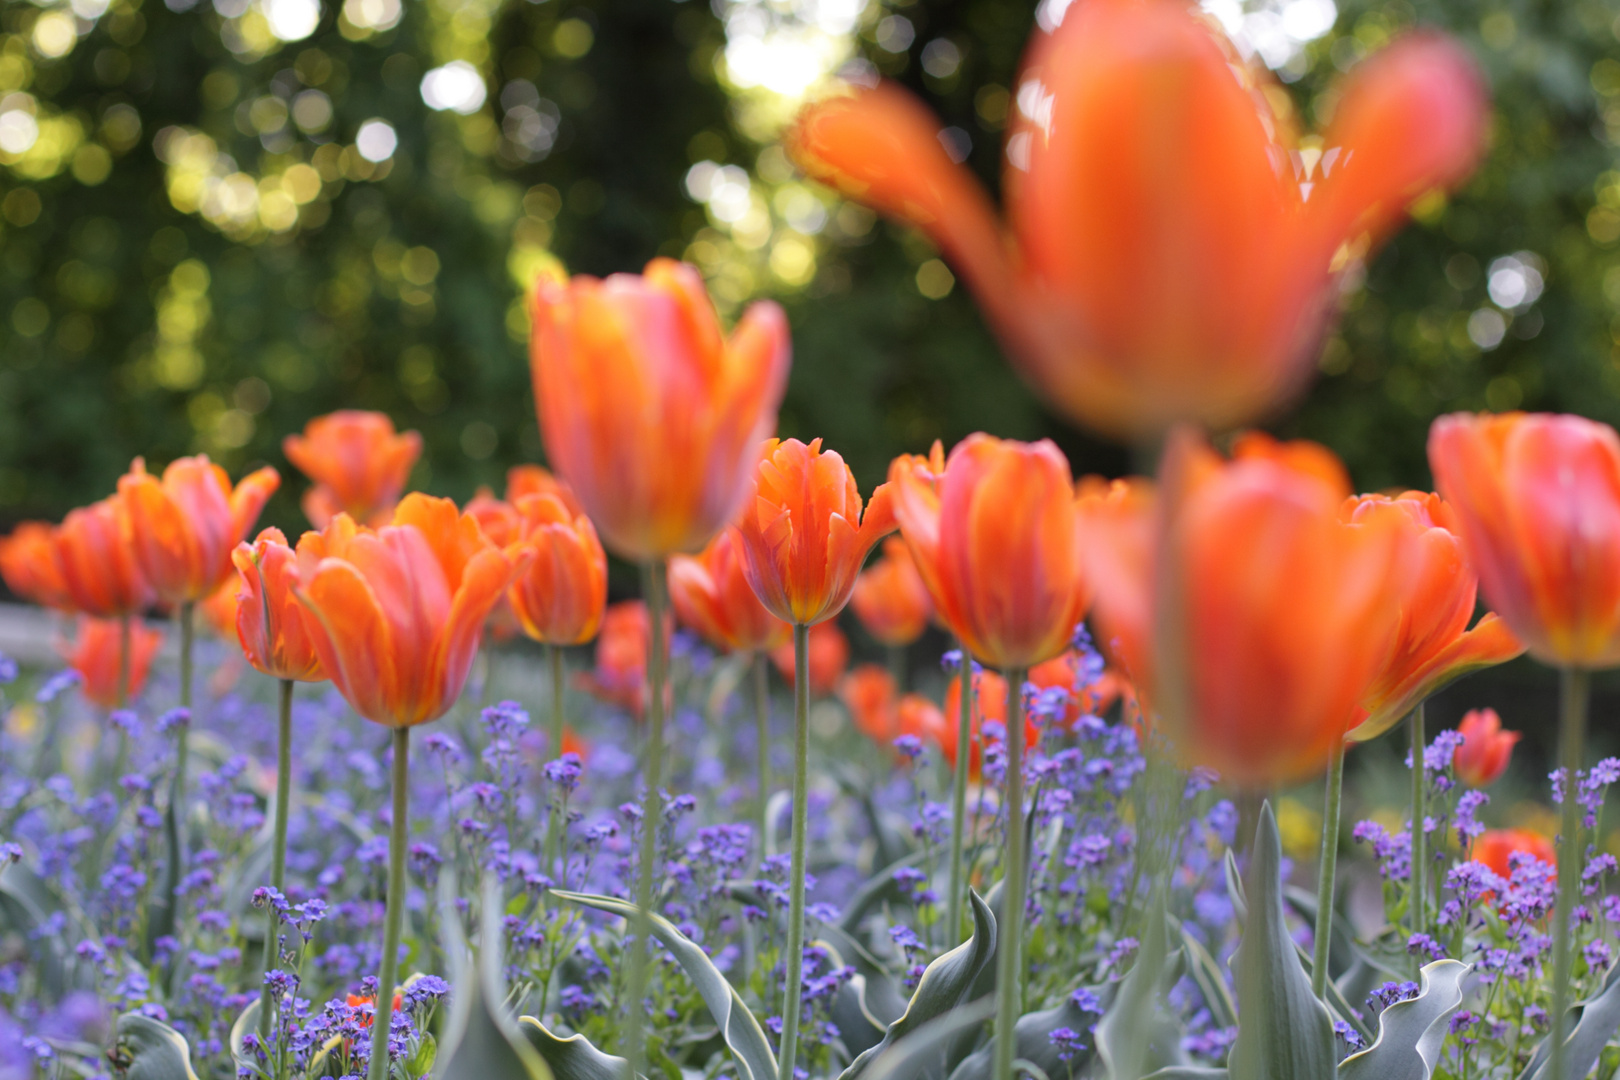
524 480
358 462
1486 749
883 715
890 598
28 565
829 658
560 597
804 534
395 615
270 619
711 595
647 409
996 540
1119 546
184 527
1433 644
96 656
622 647
1495 848
1170 251
97 563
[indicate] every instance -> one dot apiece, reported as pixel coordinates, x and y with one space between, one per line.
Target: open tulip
1486 749
890 598
711 595
647 409
96 656
1172 252
996 540
184 526
829 658
270 619
96 563
560 597
358 462
1433 644
28 565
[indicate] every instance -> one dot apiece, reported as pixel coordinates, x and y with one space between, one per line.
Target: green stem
278 847
1575 691
897 667
1010 931
762 721
1327 871
1420 861
653 587
964 751
124 636
554 654
399 831
793 961
176 820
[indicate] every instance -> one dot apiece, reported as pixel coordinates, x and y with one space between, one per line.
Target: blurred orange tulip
358 463
620 676
1486 750
28 565
803 533
1172 251
1496 848
650 413
396 614
829 658
559 599
96 561
1119 544
711 596
218 610
1433 644
890 597
996 539
184 527
869 692
271 622
95 655
1537 502
524 480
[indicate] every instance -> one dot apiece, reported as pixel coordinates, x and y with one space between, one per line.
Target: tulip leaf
857 1027
881 886
1594 1022
1211 982
1410 1032
1033 1041
573 1058
247 1022
26 904
946 984
1188 1072
917 1054
481 1039
1136 1035
741 1030
1286 1032
148 1049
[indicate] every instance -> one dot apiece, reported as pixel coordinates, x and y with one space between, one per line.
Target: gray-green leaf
573 1058
742 1032
1595 1022
1410 1032
1033 1041
148 1049
1286 1033
917 1055
1137 1034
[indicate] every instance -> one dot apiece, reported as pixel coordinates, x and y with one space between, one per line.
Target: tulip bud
1486 750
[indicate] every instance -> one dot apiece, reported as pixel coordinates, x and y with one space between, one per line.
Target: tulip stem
1575 691
1327 871
964 750
1010 933
554 655
278 849
398 832
897 667
762 721
124 637
793 959
1420 862
651 812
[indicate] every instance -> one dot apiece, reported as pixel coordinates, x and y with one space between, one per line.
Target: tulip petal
1489 643
353 640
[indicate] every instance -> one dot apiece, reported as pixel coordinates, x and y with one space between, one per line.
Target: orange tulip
711 595
1486 750
97 563
524 480
869 694
620 676
652 415
1537 500
395 615
1119 538
28 565
271 622
1496 847
96 652
1433 644
996 539
829 657
219 609
890 597
498 518
559 599
184 527
1171 250
803 533
358 462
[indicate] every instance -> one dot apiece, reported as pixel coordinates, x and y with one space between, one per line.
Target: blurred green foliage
206 239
